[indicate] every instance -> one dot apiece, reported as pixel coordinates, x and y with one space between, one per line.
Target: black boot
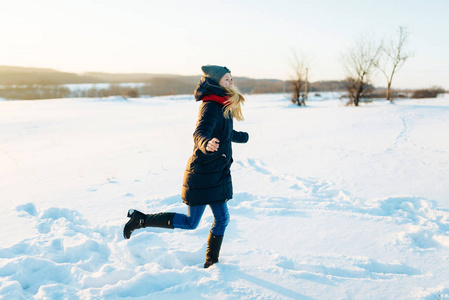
213 249
140 220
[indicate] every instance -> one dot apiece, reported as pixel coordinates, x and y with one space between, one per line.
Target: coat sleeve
240 136
207 120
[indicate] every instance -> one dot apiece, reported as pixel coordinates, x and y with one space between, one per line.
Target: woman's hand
212 145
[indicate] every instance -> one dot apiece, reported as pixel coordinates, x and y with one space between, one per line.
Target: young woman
207 178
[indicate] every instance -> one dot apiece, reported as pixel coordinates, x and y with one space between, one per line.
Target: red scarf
222 100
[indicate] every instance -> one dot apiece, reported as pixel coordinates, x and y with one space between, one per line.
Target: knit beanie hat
214 72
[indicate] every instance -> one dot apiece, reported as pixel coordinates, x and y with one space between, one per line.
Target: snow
330 202
87 86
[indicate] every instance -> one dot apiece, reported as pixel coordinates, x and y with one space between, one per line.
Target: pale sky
254 38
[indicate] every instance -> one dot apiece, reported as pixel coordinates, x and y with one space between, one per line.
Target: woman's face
226 81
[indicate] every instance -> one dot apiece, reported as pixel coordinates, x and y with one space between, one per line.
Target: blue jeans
191 220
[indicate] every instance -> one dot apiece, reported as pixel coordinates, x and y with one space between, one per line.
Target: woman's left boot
213 249
140 220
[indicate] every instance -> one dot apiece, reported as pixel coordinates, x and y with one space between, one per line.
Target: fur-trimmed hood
206 86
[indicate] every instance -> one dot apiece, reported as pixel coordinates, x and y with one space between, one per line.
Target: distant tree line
36 92
157 87
33 92
32 83
428 93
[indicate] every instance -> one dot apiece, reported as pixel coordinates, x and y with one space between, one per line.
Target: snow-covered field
330 202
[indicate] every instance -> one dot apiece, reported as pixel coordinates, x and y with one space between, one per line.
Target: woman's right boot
140 220
213 249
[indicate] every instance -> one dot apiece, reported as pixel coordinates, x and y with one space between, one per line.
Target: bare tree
360 62
393 58
299 80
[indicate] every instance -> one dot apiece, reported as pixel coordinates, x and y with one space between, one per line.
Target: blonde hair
233 109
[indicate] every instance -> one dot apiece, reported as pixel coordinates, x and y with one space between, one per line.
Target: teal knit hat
214 72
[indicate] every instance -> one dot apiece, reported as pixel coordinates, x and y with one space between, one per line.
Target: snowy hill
330 202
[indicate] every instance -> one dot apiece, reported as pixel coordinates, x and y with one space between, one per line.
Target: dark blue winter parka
207 178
